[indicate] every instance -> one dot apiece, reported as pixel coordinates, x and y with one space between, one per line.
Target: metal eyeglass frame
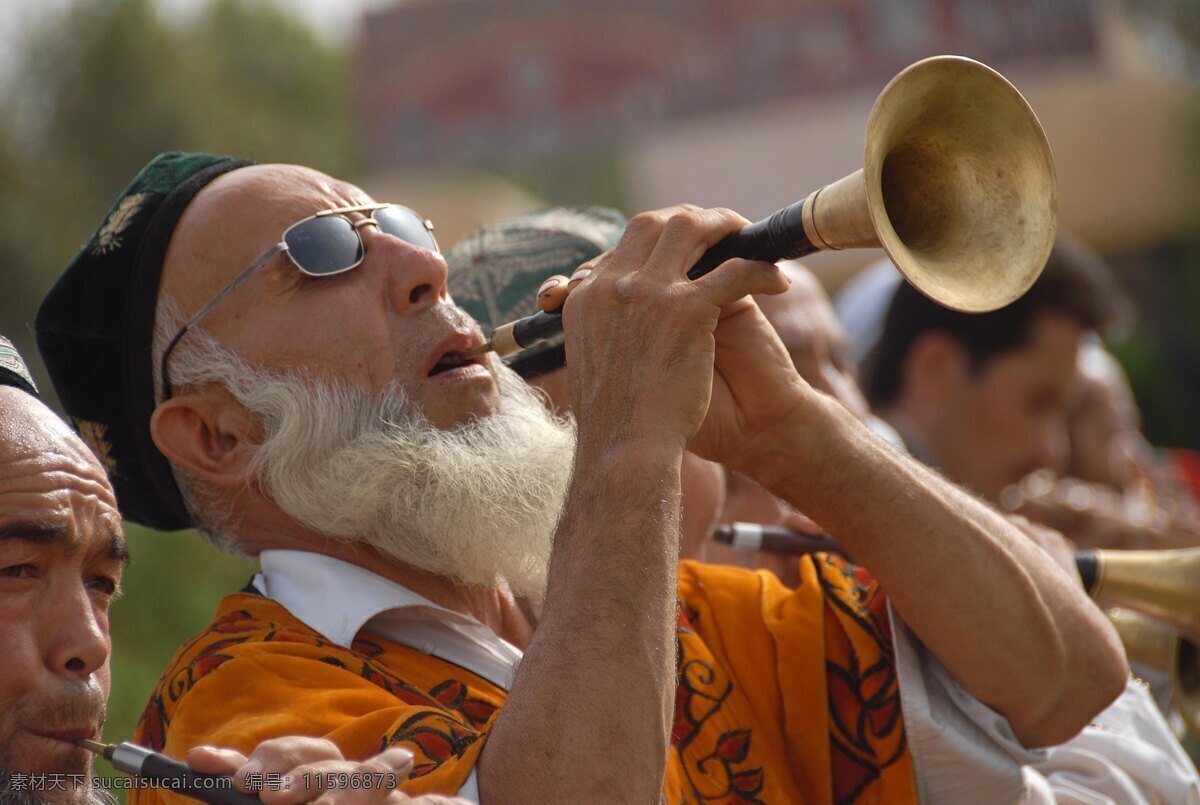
282 247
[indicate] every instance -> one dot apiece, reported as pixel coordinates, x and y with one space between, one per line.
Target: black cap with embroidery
95 330
495 271
13 371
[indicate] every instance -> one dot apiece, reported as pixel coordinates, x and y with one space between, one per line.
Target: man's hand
1095 516
643 338
299 769
640 347
755 388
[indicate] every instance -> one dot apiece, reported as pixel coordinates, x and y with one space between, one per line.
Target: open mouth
68 735
451 360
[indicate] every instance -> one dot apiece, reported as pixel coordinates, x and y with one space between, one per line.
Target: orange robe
785 696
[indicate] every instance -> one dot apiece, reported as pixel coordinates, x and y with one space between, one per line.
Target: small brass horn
1164 585
1159 646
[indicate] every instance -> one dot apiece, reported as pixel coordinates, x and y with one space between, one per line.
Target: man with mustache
278 355
62 555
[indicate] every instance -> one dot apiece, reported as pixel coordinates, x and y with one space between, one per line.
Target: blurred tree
1163 354
106 84
99 89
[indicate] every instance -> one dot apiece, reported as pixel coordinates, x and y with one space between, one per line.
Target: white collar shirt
961 749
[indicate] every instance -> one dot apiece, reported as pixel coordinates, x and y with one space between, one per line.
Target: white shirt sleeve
1127 755
470 788
962 750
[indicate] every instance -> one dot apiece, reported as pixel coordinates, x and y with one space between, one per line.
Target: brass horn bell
957 186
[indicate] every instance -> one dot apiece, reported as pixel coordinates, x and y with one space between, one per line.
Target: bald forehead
271 184
241 214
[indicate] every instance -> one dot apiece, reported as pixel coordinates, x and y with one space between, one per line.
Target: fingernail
547 285
580 275
399 757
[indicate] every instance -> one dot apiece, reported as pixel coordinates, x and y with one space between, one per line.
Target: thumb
398 759
211 760
737 278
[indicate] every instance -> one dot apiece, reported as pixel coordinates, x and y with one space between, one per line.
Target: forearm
1013 628
588 716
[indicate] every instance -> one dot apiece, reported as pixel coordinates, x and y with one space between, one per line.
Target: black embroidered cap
496 270
13 371
95 330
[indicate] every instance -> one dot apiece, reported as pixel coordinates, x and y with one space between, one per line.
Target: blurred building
751 104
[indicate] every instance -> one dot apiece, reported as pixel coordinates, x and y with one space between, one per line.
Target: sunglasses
321 245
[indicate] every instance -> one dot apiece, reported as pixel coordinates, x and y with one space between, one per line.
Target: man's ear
935 369
209 434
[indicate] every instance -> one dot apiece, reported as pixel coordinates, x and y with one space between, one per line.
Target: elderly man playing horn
62 558
276 355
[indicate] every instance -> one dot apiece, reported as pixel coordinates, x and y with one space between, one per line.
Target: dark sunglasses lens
405 224
324 245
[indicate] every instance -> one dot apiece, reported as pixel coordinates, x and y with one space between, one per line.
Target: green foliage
108 84
99 90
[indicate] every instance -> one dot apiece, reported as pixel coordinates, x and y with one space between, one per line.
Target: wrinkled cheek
18 680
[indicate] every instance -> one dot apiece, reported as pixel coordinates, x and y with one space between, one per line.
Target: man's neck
495 607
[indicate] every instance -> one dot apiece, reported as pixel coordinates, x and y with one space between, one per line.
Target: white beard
477 503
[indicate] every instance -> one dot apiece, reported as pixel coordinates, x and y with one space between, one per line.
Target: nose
416 277
76 637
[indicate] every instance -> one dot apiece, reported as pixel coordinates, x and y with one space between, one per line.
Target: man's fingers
643 234
212 760
398 759
738 278
686 235
798 522
342 781
581 273
553 293
278 756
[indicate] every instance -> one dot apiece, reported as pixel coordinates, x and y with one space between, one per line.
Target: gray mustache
66 708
